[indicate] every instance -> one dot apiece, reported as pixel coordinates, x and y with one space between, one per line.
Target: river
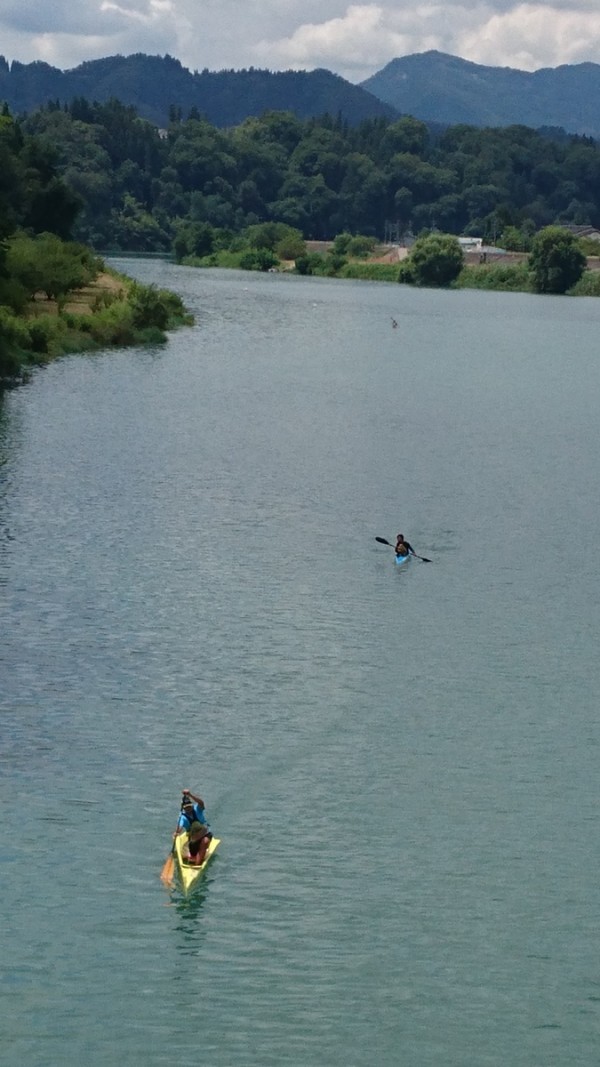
401 763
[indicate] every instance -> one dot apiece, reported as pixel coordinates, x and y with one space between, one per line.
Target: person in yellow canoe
197 844
192 818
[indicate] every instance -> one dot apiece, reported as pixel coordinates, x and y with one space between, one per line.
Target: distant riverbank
493 269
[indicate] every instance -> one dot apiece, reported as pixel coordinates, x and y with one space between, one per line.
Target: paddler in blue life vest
192 818
192 810
403 548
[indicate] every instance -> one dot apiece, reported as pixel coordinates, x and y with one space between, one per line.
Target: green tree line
140 187
40 266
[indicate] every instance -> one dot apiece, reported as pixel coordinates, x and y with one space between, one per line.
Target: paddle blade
166 875
382 541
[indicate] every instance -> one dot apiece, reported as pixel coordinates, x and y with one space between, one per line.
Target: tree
434 260
515 240
556 261
258 259
405 135
47 264
149 307
193 239
291 245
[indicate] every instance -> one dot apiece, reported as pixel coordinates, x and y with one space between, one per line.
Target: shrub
506 277
372 272
360 246
556 261
341 243
434 260
514 240
312 263
14 343
588 284
258 259
333 264
43 334
291 246
148 307
13 294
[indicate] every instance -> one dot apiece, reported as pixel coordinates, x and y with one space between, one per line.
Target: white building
471 244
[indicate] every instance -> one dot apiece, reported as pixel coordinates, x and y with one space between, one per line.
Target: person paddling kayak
192 810
197 844
192 819
193 842
402 547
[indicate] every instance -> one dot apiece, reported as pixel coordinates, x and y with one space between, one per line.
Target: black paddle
382 541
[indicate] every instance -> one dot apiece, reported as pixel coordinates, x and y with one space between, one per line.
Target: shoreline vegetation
109 310
71 302
87 176
502 271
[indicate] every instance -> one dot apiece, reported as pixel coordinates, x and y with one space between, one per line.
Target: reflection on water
189 912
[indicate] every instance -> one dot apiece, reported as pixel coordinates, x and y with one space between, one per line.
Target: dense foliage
43 312
192 186
437 88
41 270
435 260
158 86
556 263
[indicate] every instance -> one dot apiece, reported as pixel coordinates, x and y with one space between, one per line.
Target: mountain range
445 89
155 85
437 88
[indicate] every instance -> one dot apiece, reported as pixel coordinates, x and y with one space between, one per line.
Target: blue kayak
402 559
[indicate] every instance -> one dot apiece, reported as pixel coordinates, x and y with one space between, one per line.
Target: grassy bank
111 311
363 270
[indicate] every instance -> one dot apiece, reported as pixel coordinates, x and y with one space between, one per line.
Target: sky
352 39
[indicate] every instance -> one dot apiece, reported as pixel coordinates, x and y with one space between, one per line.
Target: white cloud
367 36
353 39
530 36
151 12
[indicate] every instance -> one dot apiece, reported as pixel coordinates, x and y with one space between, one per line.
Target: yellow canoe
190 872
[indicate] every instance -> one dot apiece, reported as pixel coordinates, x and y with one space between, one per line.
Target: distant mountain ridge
437 87
154 84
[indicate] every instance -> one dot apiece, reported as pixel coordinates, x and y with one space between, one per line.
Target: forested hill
437 87
159 87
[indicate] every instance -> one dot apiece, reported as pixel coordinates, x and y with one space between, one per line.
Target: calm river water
402 764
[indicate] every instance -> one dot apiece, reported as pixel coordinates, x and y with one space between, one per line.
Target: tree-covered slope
437 87
139 185
157 86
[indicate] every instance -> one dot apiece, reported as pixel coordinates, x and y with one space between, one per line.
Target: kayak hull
401 559
189 873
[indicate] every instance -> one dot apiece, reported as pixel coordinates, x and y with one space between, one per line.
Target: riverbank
497 270
111 311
